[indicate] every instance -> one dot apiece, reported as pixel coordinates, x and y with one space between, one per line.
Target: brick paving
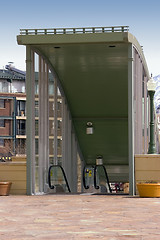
79 217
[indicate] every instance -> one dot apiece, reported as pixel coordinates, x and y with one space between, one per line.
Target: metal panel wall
140 105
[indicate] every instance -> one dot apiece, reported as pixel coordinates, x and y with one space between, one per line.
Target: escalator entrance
95 179
57 180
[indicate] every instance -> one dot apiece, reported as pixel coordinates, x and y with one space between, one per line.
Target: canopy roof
92 67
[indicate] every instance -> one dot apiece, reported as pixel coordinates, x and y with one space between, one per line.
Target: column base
152 149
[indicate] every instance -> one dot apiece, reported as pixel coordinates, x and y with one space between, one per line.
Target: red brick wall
7 110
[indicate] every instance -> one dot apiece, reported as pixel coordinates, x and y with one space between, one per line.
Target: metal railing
73 30
106 177
51 175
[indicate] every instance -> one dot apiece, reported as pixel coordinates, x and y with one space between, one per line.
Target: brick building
12 91
13 114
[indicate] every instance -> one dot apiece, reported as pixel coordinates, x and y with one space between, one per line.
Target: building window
2 123
36 108
36 127
3 87
1 142
21 107
21 127
59 124
2 103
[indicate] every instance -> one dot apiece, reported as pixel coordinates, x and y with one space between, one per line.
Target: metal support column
55 122
46 120
30 124
43 125
131 120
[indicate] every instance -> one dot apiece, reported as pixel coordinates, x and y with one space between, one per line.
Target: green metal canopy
92 68
95 81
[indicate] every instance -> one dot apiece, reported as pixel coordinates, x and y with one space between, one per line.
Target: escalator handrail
64 175
95 178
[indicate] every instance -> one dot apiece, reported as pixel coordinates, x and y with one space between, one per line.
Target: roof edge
132 39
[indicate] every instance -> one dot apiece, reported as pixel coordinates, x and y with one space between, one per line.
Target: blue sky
141 16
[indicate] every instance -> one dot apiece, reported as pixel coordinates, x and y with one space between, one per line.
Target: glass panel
20 146
55 128
21 127
101 179
41 165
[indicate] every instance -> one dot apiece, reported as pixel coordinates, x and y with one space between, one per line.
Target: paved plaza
79 217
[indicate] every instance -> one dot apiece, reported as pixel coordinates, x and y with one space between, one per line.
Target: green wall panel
94 77
110 139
